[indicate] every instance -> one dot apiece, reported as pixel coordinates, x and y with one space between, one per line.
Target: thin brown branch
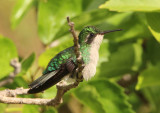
77 51
17 68
9 96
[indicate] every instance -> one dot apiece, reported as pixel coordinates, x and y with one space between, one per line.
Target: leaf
20 9
92 18
8 52
50 93
125 59
30 109
88 5
152 94
152 48
3 107
134 5
153 24
52 15
26 64
131 24
51 110
50 53
149 77
103 96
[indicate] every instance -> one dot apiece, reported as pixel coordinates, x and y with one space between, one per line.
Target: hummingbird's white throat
90 68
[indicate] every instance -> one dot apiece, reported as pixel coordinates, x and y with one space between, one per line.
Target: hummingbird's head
88 34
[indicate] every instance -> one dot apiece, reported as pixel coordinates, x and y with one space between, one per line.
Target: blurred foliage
130 58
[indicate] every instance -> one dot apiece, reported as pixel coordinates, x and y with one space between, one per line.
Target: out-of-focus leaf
94 17
8 51
131 25
19 82
149 77
127 58
52 15
152 94
26 64
89 5
50 93
30 109
50 110
154 24
152 51
20 9
50 53
132 5
3 107
103 96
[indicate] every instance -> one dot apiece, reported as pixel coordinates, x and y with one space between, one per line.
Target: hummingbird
62 66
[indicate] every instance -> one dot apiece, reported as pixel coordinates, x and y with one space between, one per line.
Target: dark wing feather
50 79
47 80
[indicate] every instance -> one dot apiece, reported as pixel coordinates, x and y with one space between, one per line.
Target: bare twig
17 68
77 51
9 96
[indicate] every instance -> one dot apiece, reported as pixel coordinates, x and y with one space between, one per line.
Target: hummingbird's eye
91 34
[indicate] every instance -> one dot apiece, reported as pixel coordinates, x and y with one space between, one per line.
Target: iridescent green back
63 56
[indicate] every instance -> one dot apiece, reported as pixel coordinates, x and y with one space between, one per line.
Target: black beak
104 32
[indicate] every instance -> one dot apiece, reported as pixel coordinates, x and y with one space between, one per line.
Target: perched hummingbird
64 63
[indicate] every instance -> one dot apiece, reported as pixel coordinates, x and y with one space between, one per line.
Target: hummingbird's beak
104 32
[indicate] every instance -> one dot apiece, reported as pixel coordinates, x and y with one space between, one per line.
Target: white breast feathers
90 68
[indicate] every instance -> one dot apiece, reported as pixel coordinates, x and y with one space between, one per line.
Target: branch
77 51
17 68
9 96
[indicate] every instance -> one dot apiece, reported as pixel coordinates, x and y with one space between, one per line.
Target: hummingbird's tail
46 81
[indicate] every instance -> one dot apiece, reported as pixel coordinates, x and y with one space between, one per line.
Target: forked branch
9 96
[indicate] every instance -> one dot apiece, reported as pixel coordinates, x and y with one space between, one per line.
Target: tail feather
46 81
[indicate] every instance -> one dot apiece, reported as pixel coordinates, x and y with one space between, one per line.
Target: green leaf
30 109
152 48
127 58
26 64
94 17
50 53
149 77
8 51
3 107
50 110
133 26
152 94
103 96
89 5
20 9
52 15
154 24
50 93
132 5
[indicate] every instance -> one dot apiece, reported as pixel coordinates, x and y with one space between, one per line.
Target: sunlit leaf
3 107
132 5
149 77
50 93
52 15
154 24
20 9
8 52
30 109
103 96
